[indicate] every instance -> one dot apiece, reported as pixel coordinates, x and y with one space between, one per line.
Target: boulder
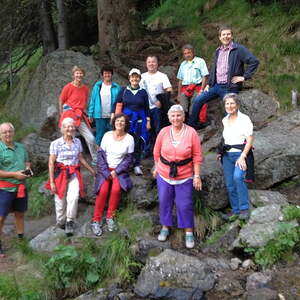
259 106
173 270
38 150
263 198
262 225
258 280
262 294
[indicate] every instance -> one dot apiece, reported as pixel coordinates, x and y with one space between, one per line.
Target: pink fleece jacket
189 146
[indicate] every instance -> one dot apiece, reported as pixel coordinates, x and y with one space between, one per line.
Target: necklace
176 137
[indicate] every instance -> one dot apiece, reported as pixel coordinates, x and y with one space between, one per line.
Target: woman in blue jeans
238 140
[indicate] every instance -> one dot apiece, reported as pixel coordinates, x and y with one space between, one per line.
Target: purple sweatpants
182 194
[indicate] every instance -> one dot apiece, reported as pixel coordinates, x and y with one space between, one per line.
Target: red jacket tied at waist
62 175
189 90
76 114
20 187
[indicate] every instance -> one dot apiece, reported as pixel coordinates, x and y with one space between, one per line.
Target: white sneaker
163 235
111 225
96 228
138 171
189 241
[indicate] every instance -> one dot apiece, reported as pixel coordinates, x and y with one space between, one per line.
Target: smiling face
69 130
78 76
134 80
152 64
226 37
231 107
107 77
188 54
120 124
176 118
7 134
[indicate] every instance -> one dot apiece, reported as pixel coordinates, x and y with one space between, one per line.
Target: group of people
129 124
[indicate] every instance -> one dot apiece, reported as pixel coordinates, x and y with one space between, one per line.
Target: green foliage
207 220
216 235
72 269
286 239
39 204
291 212
10 289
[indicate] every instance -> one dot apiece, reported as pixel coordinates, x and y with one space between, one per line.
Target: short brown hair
118 116
224 27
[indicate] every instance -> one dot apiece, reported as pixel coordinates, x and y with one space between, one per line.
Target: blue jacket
95 108
238 57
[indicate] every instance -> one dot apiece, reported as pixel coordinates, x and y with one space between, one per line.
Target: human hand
53 187
113 174
91 120
241 163
93 172
236 79
206 88
154 172
197 183
148 125
219 156
19 175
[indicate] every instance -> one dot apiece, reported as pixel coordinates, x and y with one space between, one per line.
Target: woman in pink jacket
177 156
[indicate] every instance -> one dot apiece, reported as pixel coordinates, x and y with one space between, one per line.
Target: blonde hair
8 124
76 68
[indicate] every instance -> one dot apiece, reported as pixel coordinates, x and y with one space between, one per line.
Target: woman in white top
238 140
113 162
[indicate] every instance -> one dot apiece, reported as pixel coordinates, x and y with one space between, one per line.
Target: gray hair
7 124
65 122
232 96
175 107
187 46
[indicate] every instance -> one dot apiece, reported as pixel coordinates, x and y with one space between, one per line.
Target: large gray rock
38 150
263 198
173 270
258 280
263 224
258 106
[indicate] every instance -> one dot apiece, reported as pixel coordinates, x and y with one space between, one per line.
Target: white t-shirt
236 132
154 84
116 150
105 94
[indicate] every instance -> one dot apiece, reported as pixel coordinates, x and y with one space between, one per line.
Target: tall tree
62 32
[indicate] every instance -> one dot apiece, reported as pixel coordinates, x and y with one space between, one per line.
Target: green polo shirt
12 160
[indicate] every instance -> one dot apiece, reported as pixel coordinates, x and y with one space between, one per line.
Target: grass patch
216 235
291 212
39 204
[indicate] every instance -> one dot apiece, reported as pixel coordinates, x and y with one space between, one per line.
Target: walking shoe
189 241
163 235
111 225
60 225
244 215
96 228
231 216
138 171
69 228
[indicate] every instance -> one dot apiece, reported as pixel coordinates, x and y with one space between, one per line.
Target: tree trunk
62 33
48 35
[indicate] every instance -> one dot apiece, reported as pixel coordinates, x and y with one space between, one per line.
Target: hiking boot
163 235
96 228
69 230
60 226
111 225
244 215
189 241
138 171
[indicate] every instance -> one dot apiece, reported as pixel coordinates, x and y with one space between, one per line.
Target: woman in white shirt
114 159
238 140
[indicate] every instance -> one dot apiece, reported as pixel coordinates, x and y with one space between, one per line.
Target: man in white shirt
154 82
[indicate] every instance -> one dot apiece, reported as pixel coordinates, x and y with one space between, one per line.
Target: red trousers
110 189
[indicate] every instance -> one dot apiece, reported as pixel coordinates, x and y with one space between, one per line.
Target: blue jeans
218 90
102 126
235 182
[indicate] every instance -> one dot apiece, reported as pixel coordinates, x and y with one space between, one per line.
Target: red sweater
76 97
189 146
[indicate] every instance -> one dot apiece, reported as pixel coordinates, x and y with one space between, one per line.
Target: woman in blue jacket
103 98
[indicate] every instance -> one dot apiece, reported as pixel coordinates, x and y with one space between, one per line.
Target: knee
238 178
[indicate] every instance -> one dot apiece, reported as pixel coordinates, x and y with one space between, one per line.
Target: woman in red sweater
177 156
